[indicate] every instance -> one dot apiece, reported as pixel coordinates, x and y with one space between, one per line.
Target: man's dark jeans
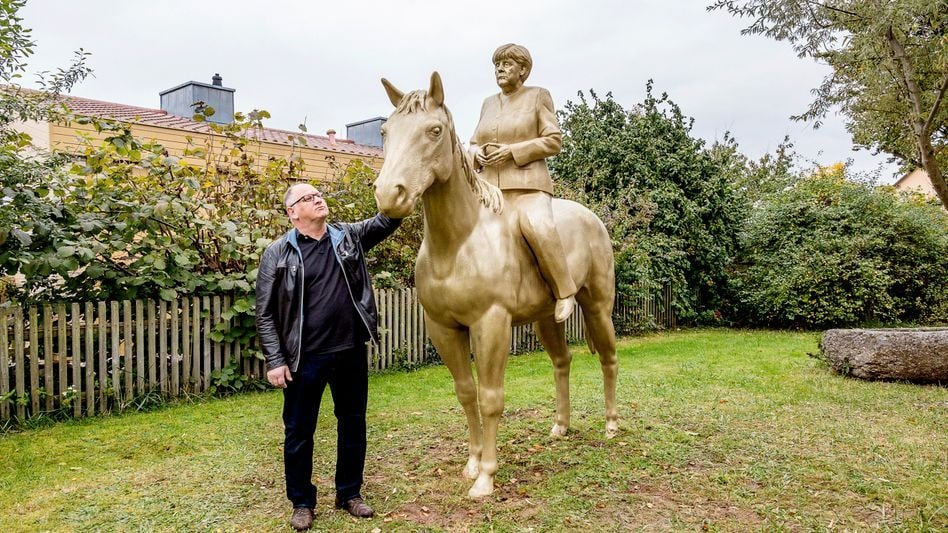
346 373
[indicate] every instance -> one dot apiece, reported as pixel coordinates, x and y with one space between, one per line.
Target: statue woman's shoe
356 507
564 308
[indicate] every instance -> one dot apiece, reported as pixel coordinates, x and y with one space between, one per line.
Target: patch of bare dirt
453 514
657 505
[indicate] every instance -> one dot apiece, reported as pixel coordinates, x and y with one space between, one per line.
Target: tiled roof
163 119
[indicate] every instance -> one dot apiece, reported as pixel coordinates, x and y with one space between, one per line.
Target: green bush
830 252
665 198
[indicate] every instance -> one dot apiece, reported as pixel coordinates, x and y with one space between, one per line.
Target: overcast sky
321 61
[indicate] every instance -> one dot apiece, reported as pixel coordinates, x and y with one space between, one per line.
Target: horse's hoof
484 486
612 430
472 469
558 431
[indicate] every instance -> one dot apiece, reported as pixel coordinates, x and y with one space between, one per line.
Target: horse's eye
435 131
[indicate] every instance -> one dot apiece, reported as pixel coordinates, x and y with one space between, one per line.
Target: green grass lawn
721 430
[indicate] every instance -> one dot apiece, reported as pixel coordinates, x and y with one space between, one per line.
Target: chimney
179 100
332 137
366 132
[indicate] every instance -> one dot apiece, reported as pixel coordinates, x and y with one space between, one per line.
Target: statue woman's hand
480 158
499 154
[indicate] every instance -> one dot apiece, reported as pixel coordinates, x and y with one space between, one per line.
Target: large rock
919 355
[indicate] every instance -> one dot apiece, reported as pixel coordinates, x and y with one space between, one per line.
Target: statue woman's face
509 74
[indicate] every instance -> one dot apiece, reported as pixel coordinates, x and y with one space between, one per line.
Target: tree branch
934 111
908 78
836 9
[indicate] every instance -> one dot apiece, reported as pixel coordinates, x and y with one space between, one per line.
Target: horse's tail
589 338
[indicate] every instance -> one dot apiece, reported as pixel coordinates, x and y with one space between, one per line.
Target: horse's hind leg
601 331
553 337
454 346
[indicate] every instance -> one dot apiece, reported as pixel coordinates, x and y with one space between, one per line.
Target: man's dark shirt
331 322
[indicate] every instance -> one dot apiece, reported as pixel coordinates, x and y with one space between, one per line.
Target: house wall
67 138
39 131
917 181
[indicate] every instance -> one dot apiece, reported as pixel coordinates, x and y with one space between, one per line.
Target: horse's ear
394 95
436 91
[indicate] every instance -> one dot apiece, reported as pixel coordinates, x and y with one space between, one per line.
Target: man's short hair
289 193
516 53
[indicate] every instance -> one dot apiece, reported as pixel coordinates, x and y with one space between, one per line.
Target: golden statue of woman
516 132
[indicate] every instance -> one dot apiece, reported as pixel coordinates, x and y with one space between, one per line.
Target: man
315 311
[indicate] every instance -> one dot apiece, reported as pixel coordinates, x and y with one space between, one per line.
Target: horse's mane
488 195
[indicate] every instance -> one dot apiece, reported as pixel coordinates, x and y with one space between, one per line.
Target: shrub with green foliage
26 216
130 221
666 199
831 252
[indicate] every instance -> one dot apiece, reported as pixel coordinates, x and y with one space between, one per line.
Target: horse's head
419 145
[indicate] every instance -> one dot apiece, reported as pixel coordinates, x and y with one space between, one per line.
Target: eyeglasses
308 198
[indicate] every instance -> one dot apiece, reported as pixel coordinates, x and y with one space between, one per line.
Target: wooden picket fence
90 358
98 357
404 341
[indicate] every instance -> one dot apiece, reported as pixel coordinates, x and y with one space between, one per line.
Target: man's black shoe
356 507
302 518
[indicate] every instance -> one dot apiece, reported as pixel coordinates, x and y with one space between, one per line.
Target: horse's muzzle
393 200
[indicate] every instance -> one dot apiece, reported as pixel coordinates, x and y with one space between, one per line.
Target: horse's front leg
454 346
491 342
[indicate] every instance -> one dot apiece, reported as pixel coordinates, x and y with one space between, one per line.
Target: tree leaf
22 236
168 294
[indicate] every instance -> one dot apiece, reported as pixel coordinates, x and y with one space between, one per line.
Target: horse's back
497 260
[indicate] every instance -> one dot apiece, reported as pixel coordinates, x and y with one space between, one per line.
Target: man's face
306 204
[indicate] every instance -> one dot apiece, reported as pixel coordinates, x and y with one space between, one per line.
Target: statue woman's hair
516 53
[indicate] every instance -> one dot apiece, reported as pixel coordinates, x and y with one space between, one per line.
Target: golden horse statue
476 276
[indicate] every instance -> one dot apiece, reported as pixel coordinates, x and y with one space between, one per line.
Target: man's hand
279 376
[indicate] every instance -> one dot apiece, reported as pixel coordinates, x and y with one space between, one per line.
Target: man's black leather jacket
280 282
